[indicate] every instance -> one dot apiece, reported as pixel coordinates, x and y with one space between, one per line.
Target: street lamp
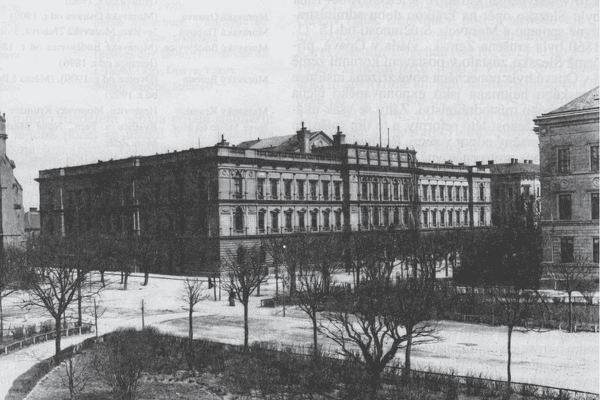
283 290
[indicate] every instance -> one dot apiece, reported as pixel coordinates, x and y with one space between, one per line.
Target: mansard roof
516 168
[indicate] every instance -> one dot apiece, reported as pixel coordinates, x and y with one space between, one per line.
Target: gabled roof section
288 143
586 101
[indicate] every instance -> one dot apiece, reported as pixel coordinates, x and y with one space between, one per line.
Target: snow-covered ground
551 358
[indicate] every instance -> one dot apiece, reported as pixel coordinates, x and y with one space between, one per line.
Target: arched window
301 220
338 219
238 220
465 216
261 220
275 221
326 223
288 220
314 220
457 217
434 217
237 186
442 217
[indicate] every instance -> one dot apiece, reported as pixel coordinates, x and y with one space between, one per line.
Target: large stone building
568 139
12 224
514 184
224 195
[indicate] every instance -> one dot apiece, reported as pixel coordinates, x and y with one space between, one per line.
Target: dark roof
518 168
32 221
586 101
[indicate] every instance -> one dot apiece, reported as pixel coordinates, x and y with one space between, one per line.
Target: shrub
47 326
18 333
30 330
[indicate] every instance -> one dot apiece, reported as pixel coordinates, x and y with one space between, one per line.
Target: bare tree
96 311
245 272
367 322
77 375
146 255
52 280
575 276
11 260
191 294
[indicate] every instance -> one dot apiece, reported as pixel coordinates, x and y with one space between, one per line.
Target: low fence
43 337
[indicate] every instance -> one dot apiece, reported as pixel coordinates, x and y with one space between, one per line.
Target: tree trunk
570 314
146 276
102 279
57 340
79 283
406 370
258 290
1 319
314 321
124 281
374 384
246 325
510 329
191 331
122 277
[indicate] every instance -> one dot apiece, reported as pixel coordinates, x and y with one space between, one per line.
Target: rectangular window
425 220
386 216
275 189
288 221
596 248
449 193
443 193
526 190
300 189
450 215
287 188
406 216
326 220
564 207
375 190
314 225
337 188
434 193
301 223
338 219
261 222
364 190
481 216
594 158
465 217
405 186
594 205
313 190
481 192
434 217
325 191
566 249
457 193
386 191
395 189
443 217
260 189
396 216
425 192
274 222
564 160
365 218
465 193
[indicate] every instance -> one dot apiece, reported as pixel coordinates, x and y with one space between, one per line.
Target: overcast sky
89 80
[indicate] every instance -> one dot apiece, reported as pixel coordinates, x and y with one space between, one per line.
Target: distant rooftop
514 168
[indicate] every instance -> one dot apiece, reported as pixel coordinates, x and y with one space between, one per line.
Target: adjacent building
12 223
512 183
223 196
568 138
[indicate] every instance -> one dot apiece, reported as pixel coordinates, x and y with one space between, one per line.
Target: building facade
12 223
512 183
568 140
224 196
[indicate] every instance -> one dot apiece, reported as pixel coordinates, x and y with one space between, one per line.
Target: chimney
32 209
490 162
3 135
478 163
339 139
516 160
223 142
303 137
